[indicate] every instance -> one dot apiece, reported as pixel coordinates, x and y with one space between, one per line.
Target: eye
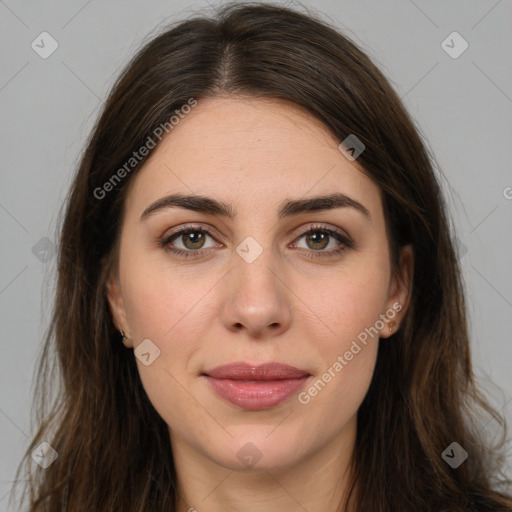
191 239
318 238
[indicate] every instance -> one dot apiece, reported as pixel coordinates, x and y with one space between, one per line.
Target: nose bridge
256 266
257 297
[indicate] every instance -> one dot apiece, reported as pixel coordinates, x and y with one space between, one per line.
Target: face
272 282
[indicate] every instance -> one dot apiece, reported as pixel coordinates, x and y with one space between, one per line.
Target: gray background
463 106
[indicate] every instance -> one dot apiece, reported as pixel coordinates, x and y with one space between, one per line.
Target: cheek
347 303
159 298
346 340
161 309
348 356
173 308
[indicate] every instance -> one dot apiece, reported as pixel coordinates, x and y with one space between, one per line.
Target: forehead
250 151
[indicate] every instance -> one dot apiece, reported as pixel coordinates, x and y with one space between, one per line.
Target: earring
126 341
391 326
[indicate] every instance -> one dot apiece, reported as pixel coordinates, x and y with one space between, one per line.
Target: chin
256 450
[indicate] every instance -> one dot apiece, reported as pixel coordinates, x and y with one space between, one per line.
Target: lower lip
256 395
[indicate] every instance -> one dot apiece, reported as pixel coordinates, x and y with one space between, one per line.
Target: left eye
318 239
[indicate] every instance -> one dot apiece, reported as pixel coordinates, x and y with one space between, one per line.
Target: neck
318 482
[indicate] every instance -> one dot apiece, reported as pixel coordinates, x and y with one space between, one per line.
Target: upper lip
246 371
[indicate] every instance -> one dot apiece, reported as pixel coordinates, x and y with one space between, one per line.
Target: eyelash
346 242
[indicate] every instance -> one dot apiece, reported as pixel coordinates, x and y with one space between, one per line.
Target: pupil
194 237
322 237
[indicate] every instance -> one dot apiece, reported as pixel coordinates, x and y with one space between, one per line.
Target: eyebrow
288 208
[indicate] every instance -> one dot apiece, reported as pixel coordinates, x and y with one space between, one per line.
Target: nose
256 299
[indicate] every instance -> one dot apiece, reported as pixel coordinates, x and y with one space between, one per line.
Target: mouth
255 387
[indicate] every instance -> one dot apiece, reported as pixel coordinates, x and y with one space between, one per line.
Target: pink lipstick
256 387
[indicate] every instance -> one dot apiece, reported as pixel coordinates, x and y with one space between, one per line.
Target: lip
256 387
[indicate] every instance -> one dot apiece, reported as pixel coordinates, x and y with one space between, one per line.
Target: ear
400 290
117 308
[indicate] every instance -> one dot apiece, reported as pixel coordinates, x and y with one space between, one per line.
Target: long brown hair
113 448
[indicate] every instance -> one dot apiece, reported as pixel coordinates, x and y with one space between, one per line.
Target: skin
203 312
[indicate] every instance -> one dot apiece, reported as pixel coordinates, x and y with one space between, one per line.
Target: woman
259 305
